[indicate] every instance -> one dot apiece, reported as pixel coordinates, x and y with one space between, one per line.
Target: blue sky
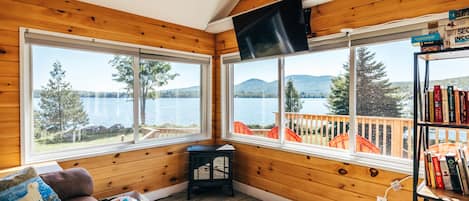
397 57
90 70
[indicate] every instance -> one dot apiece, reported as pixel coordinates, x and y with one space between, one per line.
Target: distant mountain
309 86
458 82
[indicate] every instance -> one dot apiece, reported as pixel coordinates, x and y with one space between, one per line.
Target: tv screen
276 29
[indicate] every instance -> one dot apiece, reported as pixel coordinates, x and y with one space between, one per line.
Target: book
431 106
463 107
463 175
428 181
458 14
464 170
444 100
467 106
457 106
426 38
431 170
438 174
427 106
453 172
452 113
437 103
445 174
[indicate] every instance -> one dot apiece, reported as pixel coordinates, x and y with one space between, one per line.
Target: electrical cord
396 185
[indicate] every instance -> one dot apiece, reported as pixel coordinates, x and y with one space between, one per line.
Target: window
385 98
255 99
86 96
315 101
173 109
360 113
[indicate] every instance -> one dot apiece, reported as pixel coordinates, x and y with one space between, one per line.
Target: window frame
26 99
360 37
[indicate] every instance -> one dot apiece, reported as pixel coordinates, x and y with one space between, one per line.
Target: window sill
393 164
78 153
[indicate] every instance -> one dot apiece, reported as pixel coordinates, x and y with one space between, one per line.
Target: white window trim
384 162
27 157
347 156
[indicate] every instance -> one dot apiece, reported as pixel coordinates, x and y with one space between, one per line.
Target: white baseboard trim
166 192
257 193
238 186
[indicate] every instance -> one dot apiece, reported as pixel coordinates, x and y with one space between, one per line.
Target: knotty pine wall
142 170
302 177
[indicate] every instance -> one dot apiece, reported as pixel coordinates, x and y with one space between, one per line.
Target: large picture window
84 96
356 113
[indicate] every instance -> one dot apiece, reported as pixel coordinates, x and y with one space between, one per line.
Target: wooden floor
209 196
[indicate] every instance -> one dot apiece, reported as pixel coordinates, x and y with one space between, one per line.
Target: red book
438 174
438 103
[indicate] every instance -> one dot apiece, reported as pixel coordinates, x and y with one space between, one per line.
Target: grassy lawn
42 147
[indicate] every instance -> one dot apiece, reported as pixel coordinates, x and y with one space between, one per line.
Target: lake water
185 111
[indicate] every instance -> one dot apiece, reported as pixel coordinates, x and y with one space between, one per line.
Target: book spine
458 14
438 174
437 103
463 175
445 174
444 100
427 106
431 106
465 169
462 103
453 172
457 107
452 113
432 171
427 170
467 107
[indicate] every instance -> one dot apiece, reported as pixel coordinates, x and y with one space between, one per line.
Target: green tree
153 74
375 95
292 98
60 108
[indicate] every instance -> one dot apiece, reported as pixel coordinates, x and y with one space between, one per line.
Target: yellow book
444 97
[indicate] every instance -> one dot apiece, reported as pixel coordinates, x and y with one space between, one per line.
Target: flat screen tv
276 29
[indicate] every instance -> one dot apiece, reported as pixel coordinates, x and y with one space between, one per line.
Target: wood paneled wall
141 170
302 177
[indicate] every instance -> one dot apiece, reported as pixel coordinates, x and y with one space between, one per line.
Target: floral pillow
26 185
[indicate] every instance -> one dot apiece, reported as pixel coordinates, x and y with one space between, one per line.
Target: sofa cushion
70 183
25 185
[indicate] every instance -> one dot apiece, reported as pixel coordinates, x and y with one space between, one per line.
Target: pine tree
292 98
152 74
375 95
60 107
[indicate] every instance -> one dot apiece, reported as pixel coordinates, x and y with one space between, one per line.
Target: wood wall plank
8 68
79 18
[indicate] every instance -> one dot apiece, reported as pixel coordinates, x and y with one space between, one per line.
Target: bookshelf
421 127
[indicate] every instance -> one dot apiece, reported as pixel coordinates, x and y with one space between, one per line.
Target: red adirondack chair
363 145
289 134
241 128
